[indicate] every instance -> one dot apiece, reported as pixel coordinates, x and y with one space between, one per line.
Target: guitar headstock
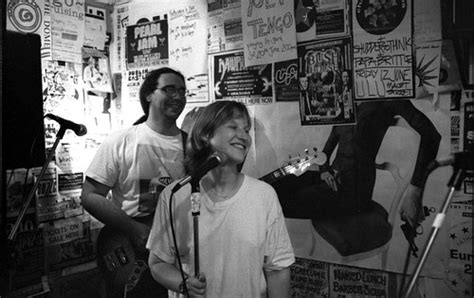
299 165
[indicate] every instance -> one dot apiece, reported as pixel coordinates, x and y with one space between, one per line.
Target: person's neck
223 182
165 127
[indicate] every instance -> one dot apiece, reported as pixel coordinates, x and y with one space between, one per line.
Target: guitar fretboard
275 175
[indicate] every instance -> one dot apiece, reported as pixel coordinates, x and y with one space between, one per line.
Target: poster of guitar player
326 95
352 210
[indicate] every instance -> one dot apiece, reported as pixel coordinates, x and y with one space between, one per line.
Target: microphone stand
14 230
195 211
454 184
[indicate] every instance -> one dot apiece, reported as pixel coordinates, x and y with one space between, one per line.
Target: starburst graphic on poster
425 73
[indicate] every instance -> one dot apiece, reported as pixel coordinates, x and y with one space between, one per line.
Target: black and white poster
230 79
326 95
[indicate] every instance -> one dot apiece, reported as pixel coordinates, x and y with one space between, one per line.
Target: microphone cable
173 233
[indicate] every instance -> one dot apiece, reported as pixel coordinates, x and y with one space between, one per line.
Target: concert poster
147 44
38 21
224 26
468 134
67 30
28 248
231 80
118 45
326 95
384 66
332 18
95 27
285 76
17 185
459 273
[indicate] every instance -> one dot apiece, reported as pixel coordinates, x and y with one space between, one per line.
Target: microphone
79 129
460 159
213 161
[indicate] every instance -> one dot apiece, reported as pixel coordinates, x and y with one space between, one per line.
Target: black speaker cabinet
22 113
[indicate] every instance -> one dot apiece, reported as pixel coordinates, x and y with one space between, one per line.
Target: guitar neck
275 175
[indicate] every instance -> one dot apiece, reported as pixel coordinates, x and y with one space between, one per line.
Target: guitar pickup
110 261
121 255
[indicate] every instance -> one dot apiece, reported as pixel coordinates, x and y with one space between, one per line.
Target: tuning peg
315 149
306 150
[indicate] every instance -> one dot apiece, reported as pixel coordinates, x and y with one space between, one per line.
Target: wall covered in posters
363 71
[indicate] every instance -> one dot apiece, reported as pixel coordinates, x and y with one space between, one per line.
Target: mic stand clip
195 211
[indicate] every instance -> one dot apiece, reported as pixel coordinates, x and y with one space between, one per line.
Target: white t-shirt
137 163
235 237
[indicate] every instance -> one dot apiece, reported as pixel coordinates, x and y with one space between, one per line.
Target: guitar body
116 259
124 269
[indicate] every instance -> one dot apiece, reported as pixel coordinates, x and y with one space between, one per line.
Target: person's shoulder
261 185
121 135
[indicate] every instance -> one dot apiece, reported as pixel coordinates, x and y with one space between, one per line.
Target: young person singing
244 247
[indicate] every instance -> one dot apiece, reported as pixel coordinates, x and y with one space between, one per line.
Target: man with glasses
125 178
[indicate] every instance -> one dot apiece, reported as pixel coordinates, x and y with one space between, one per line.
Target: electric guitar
122 265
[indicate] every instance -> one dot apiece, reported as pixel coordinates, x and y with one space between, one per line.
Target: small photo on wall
96 71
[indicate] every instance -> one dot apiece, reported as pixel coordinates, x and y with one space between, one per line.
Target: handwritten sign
383 51
358 282
188 38
309 278
62 231
269 31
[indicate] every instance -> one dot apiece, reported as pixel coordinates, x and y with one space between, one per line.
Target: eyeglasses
172 90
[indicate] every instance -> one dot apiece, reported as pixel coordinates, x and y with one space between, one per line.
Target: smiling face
232 138
166 105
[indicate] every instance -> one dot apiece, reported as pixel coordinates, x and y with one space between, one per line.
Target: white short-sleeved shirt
238 238
137 163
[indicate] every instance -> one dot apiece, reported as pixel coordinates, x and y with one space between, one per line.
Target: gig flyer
230 79
383 50
286 80
326 95
147 44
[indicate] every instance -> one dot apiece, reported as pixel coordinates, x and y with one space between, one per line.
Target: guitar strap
184 137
